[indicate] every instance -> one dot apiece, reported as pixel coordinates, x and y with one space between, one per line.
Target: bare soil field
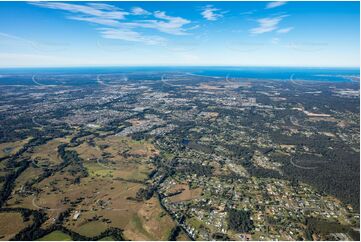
186 193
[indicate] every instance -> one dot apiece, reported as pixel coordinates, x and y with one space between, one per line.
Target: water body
285 73
265 73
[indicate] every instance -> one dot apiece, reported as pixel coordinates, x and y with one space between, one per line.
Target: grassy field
56 236
195 223
108 238
91 229
117 157
47 154
10 148
149 223
10 224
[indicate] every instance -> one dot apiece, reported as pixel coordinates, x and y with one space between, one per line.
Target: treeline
10 180
174 233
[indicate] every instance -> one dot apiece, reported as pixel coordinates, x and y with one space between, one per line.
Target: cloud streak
275 4
139 11
116 26
101 10
267 24
210 13
130 35
163 23
284 30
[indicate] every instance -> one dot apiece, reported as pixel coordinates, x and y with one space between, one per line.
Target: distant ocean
268 73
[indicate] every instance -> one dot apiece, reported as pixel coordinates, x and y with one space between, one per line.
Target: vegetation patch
56 236
240 221
10 224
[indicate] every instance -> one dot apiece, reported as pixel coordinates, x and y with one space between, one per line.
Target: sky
301 34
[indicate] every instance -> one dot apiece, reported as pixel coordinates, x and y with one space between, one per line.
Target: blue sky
45 34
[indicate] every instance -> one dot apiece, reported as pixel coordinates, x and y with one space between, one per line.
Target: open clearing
10 224
47 154
56 236
185 193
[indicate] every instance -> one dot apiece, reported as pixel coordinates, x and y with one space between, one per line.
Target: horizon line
125 66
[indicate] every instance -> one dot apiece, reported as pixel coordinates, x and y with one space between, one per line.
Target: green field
108 238
93 228
55 236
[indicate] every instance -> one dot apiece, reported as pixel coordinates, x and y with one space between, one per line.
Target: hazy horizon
182 66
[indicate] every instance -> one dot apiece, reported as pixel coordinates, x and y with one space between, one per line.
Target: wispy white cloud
96 20
101 10
284 30
275 4
210 13
103 6
139 11
115 25
130 35
166 24
267 24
